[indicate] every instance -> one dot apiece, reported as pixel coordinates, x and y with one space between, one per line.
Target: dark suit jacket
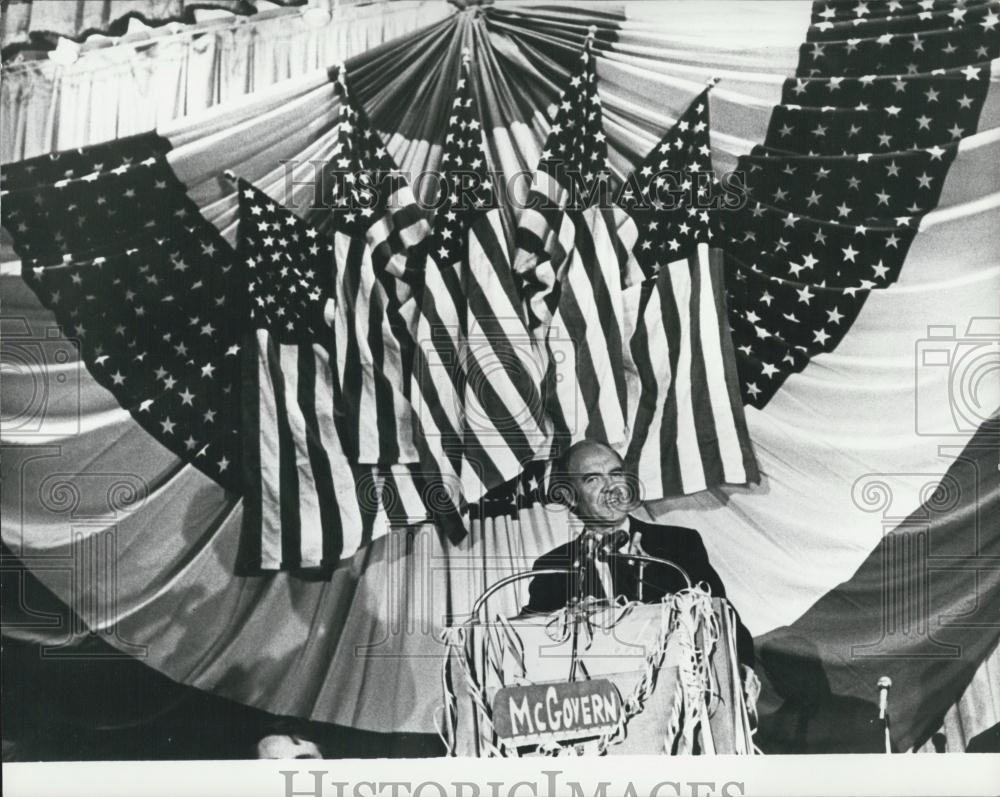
551 591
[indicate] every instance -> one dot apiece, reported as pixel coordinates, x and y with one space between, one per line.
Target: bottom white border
925 775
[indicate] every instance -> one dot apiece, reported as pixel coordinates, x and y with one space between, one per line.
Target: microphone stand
883 709
587 562
576 601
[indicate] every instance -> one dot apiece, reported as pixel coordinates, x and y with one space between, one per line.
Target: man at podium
593 484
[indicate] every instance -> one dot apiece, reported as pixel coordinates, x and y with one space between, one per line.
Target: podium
654 679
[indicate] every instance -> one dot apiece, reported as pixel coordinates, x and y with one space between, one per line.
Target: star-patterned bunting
111 243
855 156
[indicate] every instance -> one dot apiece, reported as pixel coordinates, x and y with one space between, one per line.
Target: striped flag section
377 292
435 394
409 495
585 339
686 420
476 372
302 496
370 359
502 396
376 226
545 235
303 490
688 428
573 251
394 238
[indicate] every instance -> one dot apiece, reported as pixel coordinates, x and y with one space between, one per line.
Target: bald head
586 451
594 476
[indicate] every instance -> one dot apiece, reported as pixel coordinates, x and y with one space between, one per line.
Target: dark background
100 705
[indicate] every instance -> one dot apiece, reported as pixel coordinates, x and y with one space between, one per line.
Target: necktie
611 541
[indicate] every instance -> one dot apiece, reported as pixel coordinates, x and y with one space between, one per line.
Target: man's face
598 479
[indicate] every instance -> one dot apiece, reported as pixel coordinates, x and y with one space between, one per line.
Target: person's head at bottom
287 738
280 745
594 485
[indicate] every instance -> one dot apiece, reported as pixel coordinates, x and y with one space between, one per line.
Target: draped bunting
149 81
54 227
75 19
360 649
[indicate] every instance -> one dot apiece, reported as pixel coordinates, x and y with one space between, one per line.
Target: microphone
611 542
883 684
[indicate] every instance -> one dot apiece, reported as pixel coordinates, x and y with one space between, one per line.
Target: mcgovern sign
558 712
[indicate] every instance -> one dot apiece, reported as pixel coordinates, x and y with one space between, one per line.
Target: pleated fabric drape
126 89
79 17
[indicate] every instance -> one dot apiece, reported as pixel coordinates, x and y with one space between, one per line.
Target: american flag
302 501
573 250
113 246
378 290
477 376
855 155
688 431
376 227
